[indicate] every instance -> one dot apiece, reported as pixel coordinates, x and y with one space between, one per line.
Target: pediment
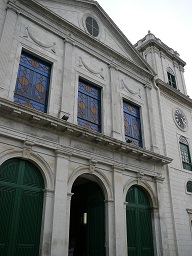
76 11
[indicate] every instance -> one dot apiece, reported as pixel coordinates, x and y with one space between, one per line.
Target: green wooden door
21 202
139 223
95 221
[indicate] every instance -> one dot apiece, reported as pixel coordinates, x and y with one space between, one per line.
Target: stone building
94 136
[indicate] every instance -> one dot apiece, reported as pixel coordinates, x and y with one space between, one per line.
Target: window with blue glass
89 106
32 85
132 123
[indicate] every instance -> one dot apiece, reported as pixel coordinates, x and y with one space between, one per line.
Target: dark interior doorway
87 219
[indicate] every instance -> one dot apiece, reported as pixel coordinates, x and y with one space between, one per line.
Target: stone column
47 225
60 231
67 97
120 221
153 141
6 41
115 105
109 228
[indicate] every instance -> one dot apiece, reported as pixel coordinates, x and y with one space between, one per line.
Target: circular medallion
180 119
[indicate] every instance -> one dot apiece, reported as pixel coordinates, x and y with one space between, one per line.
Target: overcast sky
168 20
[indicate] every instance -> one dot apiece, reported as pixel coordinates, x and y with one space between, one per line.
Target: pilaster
120 220
160 222
6 41
153 140
181 71
109 227
115 105
59 233
67 72
47 224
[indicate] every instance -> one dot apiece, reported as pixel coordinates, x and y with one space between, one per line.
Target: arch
169 70
145 186
36 159
101 179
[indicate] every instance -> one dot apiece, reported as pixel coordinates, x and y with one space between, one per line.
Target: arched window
189 186
171 77
185 154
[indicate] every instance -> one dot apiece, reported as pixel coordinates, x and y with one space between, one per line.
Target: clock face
180 119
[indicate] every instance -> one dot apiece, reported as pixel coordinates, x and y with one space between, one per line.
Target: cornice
162 48
173 92
58 126
56 24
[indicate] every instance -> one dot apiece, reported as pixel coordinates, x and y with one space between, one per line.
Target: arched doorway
139 223
21 197
87 219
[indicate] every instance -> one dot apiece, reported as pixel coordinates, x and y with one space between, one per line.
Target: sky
168 20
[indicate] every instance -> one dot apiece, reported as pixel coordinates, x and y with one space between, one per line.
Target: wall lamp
65 117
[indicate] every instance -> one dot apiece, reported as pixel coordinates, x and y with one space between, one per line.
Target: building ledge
12 110
165 87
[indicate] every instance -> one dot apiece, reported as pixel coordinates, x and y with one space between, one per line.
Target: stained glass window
32 85
132 123
186 159
89 106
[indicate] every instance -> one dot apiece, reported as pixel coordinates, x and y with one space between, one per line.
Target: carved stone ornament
27 148
140 176
92 165
35 38
125 87
99 72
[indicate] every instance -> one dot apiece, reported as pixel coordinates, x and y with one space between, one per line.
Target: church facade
95 136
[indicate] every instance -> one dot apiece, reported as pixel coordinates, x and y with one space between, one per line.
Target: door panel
96 221
21 203
7 198
139 223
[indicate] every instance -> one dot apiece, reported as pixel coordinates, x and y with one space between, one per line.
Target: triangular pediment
76 11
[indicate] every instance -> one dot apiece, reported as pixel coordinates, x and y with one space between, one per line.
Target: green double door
21 203
139 223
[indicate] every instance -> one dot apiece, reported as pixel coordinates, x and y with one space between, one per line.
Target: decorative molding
62 153
69 40
189 211
81 63
181 68
27 148
92 165
175 64
10 6
124 86
159 178
69 129
29 33
140 176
